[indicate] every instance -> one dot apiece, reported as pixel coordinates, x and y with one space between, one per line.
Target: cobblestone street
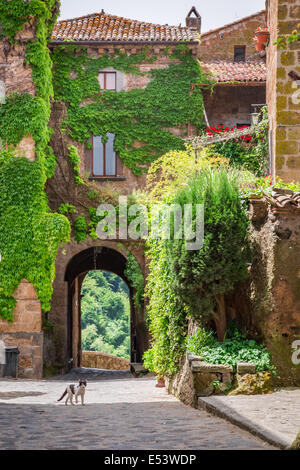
121 413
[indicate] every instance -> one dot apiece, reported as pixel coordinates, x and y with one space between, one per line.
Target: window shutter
104 156
98 156
110 156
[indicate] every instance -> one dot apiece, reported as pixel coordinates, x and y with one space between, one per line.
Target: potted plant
160 382
261 38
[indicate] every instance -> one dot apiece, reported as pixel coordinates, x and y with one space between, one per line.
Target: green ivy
14 14
138 115
186 284
29 234
75 160
80 227
236 348
135 277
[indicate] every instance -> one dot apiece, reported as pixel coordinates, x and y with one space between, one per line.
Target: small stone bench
205 375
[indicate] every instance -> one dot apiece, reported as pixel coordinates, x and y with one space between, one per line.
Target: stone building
283 96
227 54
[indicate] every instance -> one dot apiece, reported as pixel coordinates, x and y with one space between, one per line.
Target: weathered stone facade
73 262
218 44
54 346
268 307
26 331
230 105
283 96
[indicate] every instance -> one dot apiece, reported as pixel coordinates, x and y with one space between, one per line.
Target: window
107 80
239 53
104 156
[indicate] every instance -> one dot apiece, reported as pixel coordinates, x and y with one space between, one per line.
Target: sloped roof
236 71
108 28
229 25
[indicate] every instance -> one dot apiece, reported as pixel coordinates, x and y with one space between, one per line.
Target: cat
75 390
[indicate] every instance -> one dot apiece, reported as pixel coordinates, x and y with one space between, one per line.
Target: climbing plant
29 234
138 115
186 283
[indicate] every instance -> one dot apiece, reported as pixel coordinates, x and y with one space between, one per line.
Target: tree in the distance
105 314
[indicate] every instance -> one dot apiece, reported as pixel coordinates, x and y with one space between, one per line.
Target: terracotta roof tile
236 71
104 27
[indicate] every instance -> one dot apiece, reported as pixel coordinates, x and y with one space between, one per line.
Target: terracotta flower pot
262 38
160 383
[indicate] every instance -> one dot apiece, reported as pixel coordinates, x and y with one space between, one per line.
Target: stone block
204 383
25 291
191 358
281 73
253 384
27 373
246 368
284 148
288 117
201 366
258 210
281 103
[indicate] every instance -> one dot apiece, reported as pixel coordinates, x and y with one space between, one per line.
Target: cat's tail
63 395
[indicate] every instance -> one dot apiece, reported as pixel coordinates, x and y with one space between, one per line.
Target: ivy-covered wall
149 117
143 115
53 106
29 233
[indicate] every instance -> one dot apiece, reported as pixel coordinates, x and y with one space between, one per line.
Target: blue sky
214 13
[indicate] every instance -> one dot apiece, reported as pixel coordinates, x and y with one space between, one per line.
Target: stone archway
62 345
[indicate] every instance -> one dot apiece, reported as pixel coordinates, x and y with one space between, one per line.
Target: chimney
193 20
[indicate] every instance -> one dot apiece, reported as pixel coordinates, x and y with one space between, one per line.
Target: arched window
104 156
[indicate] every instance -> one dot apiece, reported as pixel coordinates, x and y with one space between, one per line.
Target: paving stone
274 417
121 412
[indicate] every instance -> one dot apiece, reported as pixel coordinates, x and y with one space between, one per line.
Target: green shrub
184 284
202 277
236 348
81 228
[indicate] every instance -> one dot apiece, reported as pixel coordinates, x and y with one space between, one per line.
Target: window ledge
107 178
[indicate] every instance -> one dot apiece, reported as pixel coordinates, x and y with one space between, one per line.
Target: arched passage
106 259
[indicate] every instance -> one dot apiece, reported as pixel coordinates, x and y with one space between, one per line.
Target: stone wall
283 92
231 105
219 43
56 353
26 331
267 308
98 360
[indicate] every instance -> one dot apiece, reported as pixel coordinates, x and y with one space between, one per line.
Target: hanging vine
29 234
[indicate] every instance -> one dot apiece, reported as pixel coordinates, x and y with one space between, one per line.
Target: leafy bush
236 348
80 227
183 283
202 277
